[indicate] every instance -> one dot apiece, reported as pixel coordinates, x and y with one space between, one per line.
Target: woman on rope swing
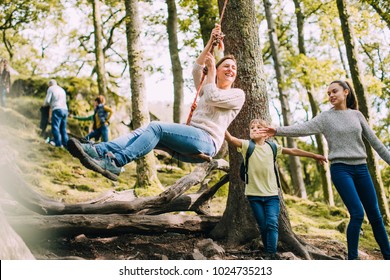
195 142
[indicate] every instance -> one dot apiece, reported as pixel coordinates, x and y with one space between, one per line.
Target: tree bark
146 169
239 24
295 164
361 94
99 54
39 227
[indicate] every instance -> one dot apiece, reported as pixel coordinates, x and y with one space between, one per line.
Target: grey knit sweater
344 131
216 108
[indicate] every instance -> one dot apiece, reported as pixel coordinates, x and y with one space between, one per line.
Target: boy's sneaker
82 150
271 256
105 166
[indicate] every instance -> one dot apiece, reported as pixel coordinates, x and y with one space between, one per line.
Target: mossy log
172 199
37 227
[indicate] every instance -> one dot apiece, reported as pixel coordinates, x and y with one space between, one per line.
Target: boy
262 187
100 118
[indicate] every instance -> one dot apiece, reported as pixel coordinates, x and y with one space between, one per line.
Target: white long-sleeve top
216 108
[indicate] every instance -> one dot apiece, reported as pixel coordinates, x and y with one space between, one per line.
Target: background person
56 99
5 81
101 120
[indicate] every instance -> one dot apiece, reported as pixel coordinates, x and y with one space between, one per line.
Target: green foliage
311 71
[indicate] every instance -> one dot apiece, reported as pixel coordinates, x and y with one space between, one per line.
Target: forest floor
173 246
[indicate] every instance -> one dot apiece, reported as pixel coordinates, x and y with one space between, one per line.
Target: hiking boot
271 256
105 166
82 150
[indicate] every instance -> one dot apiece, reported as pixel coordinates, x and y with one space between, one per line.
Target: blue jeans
3 96
58 127
266 210
99 132
178 139
354 184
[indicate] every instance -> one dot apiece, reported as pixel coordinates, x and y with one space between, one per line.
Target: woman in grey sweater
344 128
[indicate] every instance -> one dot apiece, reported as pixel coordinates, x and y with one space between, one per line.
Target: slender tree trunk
146 169
322 170
100 64
300 27
342 60
177 70
295 164
363 103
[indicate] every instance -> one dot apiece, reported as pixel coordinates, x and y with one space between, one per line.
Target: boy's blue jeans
179 139
58 127
99 132
354 184
266 210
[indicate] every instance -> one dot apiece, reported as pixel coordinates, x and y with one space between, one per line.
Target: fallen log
12 181
44 226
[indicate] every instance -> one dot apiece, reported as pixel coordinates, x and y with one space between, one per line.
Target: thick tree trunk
146 169
237 224
177 70
295 164
239 24
361 94
100 62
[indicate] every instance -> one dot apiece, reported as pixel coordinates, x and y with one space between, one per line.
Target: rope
204 73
